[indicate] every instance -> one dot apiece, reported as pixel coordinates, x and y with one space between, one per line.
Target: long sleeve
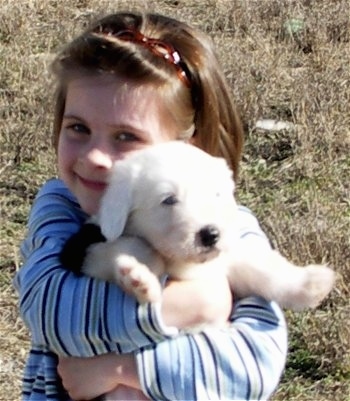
72 315
244 362
80 316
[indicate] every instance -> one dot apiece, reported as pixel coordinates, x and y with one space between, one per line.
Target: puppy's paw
137 279
318 281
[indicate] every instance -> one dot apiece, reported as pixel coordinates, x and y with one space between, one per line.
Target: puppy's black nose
209 235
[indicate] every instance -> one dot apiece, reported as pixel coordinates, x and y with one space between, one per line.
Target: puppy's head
177 197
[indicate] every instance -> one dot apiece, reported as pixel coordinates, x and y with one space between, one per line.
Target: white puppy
170 209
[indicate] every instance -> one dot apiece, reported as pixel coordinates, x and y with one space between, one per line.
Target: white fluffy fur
158 201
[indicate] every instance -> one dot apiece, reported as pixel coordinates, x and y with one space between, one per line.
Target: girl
130 81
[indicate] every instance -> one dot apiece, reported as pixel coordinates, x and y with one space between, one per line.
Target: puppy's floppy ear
116 205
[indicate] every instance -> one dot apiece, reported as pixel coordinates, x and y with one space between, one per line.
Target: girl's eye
127 137
78 128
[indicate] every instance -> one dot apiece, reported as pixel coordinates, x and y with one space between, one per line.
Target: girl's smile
105 118
93 185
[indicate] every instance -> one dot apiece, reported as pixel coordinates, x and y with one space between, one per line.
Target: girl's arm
244 362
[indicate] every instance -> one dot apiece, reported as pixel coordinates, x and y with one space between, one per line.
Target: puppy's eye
170 200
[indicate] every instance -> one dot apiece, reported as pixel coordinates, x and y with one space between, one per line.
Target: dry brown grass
297 182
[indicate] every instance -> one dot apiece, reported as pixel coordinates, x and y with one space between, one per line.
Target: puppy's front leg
129 262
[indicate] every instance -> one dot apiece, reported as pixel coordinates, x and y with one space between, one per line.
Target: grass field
287 60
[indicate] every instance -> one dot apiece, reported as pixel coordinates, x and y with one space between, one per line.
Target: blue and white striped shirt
80 316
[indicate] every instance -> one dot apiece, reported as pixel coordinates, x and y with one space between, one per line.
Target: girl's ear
115 206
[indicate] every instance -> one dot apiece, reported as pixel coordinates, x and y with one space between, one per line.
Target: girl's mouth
99 186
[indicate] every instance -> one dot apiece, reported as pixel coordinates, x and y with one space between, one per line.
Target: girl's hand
125 393
88 378
204 300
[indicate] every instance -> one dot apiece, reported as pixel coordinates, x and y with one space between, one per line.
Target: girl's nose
99 158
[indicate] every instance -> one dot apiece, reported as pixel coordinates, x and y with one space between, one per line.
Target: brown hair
204 107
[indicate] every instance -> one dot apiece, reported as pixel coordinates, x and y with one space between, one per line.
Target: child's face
102 124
